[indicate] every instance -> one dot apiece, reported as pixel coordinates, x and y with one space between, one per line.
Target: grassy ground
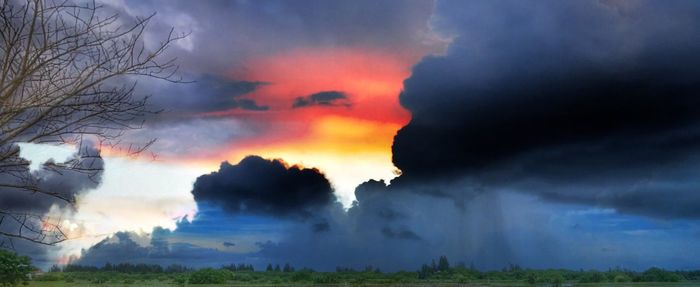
156 283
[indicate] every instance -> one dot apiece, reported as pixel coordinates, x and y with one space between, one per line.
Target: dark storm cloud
588 103
217 131
594 102
223 34
190 108
64 183
127 247
402 233
251 105
267 187
488 232
426 227
325 98
320 227
207 93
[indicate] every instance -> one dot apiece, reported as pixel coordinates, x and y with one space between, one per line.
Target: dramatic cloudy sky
388 133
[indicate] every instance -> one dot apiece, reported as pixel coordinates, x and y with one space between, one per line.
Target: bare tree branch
68 71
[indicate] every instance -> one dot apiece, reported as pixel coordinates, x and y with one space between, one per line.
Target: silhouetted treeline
240 267
439 270
124 268
368 268
442 271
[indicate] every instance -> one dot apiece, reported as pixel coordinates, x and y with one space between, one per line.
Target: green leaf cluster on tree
14 269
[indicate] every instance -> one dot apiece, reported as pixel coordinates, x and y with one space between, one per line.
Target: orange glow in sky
349 144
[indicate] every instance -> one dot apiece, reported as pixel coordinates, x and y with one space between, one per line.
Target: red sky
350 144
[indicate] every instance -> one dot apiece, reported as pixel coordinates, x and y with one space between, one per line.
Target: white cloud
134 195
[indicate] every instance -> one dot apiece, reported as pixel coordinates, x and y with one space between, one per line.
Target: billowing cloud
588 105
248 57
397 229
135 248
224 34
593 102
401 233
205 93
269 187
328 38
82 172
23 211
325 98
205 136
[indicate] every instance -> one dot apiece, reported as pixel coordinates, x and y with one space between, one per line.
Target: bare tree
67 72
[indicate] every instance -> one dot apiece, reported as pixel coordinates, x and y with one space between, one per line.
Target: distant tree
230 267
176 268
659 275
287 268
531 278
55 268
433 265
425 271
344 269
443 264
277 268
592 277
14 269
557 280
269 268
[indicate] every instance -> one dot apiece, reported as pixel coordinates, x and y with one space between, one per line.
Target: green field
156 283
306 277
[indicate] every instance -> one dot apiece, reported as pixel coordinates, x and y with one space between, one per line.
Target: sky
547 134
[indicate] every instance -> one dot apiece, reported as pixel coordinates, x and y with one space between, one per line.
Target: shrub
50 277
99 279
593 277
180 279
659 275
461 279
301 276
622 278
14 269
557 280
531 278
210 276
243 277
326 279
